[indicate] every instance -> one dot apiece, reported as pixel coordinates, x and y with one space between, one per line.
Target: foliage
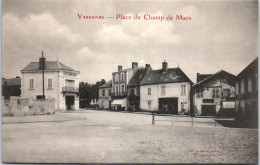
88 92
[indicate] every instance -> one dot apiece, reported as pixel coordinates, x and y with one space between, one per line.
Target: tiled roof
253 66
12 81
138 77
214 75
106 85
49 65
173 75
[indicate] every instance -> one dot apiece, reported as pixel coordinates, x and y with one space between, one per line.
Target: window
31 85
116 89
69 83
149 91
103 92
109 91
226 92
149 104
122 77
215 93
242 84
116 77
183 107
201 93
49 83
123 88
249 85
183 89
163 90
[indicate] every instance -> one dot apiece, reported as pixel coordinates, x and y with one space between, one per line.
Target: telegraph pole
42 65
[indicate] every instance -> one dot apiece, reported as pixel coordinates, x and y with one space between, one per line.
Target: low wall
18 106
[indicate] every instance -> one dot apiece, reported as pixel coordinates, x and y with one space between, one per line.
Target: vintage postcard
143 81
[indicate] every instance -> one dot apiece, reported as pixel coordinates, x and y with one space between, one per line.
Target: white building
60 82
214 94
166 90
104 98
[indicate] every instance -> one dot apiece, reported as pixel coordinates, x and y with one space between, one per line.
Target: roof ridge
59 64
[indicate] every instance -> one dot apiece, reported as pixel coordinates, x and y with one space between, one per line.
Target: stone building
104 100
166 90
133 87
214 94
60 82
120 80
247 94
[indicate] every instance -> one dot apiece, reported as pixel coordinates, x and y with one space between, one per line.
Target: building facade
166 90
213 94
120 81
133 88
104 92
60 82
247 93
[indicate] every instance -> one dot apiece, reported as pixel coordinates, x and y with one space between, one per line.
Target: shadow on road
236 124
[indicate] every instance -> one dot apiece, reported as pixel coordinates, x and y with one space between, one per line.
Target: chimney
147 66
120 68
198 75
164 66
134 65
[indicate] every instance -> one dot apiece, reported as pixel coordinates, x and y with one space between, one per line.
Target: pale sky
220 36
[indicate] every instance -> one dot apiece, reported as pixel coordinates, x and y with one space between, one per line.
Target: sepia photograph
140 82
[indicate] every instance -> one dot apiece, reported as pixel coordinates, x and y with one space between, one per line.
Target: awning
121 102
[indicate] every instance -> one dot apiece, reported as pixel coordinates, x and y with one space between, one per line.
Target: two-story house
133 87
120 81
247 93
166 90
104 98
60 82
213 92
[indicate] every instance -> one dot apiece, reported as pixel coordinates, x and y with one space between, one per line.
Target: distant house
104 100
60 82
120 81
247 93
166 90
214 94
133 87
11 87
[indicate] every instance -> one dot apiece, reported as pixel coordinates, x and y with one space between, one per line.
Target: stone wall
18 106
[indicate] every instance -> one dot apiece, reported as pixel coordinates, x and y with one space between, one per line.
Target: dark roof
214 75
12 81
107 85
173 75
251 68
138 77
202 76
49 65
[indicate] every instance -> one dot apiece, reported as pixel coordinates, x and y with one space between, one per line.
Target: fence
191 121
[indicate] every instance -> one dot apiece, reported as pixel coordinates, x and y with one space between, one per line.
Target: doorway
168 105
70 102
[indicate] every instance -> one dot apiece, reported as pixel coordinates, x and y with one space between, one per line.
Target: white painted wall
171 90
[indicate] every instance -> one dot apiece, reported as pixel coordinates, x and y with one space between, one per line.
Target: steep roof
138 77
253 66
49 65
106 85
12 81
214 75
201 77
173 75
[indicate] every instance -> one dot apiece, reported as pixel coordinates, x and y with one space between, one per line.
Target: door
70 102
168 105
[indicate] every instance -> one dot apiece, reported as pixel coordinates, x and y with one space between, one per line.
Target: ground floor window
149 105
